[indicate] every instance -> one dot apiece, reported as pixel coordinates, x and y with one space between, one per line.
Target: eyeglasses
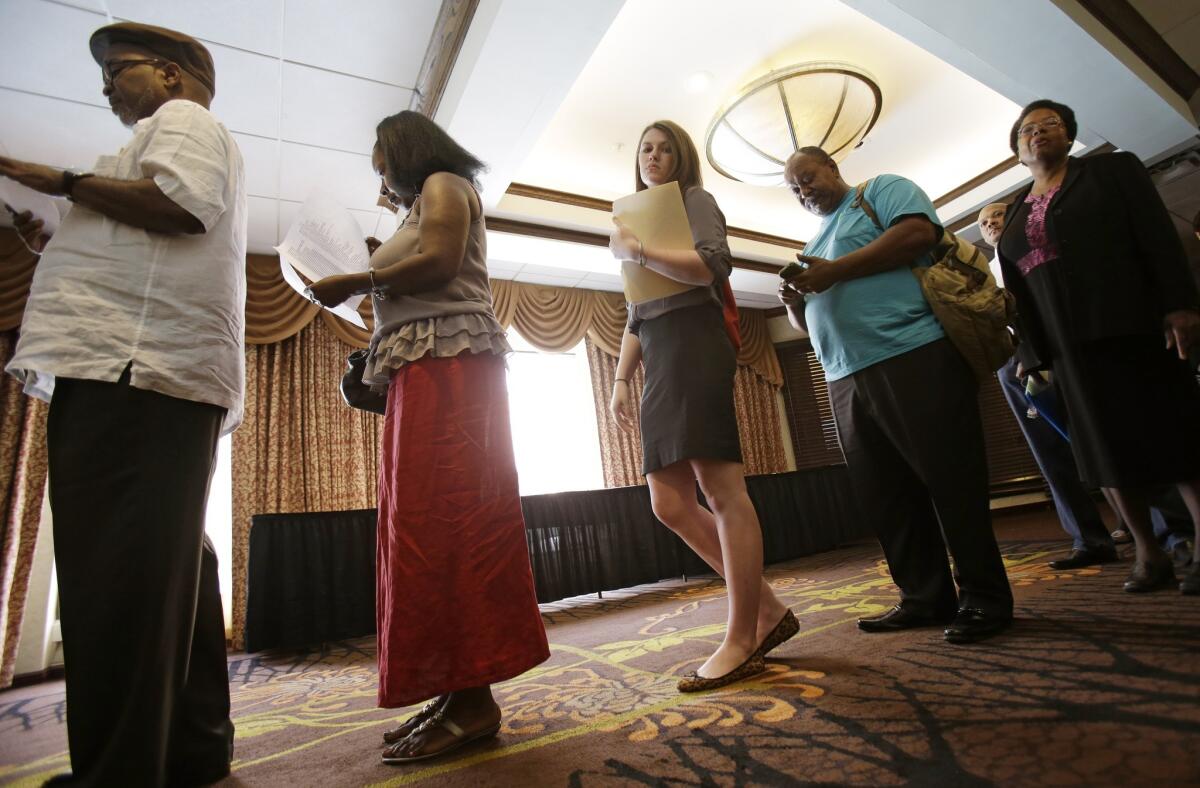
114 68
1049 124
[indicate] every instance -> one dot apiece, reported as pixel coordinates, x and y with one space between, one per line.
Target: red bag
730 313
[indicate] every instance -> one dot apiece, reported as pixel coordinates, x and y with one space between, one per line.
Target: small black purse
356 393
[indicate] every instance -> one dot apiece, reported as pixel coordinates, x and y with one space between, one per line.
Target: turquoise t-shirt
863 321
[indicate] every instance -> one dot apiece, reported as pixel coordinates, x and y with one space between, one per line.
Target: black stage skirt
687 402
1132 407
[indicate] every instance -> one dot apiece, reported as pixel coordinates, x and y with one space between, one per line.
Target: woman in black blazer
1107 301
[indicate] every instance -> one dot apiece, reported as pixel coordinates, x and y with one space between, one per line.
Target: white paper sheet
325 240
22 198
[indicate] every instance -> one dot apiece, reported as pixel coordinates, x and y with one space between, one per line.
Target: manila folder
657 217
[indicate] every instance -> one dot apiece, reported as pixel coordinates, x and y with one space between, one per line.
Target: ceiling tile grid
304 123
330 110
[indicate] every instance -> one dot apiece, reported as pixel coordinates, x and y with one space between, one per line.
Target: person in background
895 382
456 606
689 427
134 331
1106 301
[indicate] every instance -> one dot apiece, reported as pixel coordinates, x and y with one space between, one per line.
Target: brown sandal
461 737
401 731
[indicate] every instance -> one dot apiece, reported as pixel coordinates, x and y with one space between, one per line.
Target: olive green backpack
961 291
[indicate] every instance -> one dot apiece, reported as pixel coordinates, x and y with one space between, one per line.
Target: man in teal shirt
904 399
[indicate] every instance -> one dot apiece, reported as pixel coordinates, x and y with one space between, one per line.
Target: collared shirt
863 321
107 295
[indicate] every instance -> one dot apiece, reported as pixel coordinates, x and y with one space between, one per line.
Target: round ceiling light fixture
828 104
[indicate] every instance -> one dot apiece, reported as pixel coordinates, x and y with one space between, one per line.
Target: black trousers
142 626
913 438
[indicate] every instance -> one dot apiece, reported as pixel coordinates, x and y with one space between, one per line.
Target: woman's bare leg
673 496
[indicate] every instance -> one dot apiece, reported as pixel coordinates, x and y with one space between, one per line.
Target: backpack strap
860 201
946 239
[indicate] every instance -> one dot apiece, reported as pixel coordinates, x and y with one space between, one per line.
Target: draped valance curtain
553 319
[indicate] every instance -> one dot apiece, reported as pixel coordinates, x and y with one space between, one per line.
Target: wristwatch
69 179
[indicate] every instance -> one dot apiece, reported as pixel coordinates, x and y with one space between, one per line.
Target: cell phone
792 270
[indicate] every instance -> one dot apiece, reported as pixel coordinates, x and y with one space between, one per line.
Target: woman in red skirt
455 605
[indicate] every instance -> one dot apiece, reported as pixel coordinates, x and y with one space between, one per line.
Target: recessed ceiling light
699 82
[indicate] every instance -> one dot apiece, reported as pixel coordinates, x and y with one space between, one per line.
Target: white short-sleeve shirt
994 265
107 294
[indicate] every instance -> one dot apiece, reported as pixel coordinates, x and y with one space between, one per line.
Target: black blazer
1120 260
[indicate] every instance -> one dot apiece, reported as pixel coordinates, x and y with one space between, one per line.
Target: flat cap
187 52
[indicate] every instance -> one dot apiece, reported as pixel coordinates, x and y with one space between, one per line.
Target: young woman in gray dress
689 428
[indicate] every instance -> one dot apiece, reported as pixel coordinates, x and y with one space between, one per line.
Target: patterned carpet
1091 687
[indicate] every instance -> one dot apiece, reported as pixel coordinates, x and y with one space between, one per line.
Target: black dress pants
142 626
913 438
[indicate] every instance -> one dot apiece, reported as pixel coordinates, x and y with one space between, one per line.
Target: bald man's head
991 222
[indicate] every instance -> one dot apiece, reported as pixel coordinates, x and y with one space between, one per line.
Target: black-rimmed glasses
114 68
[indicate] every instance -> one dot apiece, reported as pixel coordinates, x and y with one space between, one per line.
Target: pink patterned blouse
1041 248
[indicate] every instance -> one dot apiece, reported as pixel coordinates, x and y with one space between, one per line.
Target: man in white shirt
134 332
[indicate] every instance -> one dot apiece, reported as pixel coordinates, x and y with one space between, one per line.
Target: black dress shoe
1086 556
972 624
1190 584
1151 577
899 618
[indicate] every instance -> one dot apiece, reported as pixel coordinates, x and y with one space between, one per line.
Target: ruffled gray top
439 323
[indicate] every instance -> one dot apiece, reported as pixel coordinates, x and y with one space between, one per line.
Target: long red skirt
455 604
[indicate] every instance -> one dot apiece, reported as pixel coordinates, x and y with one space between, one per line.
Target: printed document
325 240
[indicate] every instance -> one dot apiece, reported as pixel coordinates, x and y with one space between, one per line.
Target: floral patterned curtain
754 402
300 449
22 481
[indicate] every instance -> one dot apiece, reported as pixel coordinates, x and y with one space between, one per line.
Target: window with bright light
218 524
554 430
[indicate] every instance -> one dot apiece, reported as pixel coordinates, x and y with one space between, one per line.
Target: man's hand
789 295
38 177
819 276
29 229
333 290
1182 329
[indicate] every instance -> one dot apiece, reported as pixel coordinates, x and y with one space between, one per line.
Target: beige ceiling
938 126
546 90
1178 22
